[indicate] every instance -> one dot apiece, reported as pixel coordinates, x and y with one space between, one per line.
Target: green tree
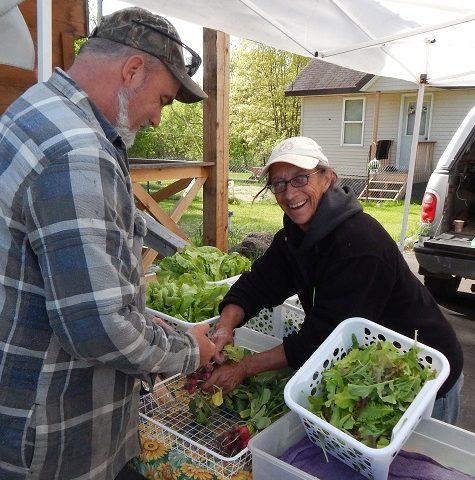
260 113
179 136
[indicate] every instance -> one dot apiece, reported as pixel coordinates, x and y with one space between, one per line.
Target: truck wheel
442 288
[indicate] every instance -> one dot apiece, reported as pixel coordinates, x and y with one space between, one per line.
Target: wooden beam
152 173
171 189
148 257
186 200
156 211
216 137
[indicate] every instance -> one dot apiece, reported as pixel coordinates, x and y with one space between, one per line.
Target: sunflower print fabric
159 462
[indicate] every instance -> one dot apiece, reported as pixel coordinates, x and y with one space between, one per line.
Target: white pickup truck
445 249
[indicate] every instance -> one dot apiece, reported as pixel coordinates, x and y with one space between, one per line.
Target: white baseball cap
300 151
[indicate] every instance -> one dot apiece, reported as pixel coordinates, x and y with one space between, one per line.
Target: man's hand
206 346
161 323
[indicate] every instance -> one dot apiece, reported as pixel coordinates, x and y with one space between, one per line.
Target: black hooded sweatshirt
345 265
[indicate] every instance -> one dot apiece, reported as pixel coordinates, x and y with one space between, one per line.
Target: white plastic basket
178 324
278 321
295 301
450 446
230 280
373 463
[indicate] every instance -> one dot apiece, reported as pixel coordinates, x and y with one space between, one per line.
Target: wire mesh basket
165 417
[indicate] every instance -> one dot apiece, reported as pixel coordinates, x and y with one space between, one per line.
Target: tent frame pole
45 44
412 160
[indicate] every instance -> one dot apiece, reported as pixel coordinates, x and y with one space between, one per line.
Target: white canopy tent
16 44
428 42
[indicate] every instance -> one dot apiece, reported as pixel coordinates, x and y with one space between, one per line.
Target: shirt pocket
30 437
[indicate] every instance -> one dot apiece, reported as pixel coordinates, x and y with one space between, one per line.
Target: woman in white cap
341 263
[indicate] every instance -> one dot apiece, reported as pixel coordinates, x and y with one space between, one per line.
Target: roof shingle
323 78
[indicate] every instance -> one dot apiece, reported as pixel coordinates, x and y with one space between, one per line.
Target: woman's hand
231 374
221 337
227 376
231 316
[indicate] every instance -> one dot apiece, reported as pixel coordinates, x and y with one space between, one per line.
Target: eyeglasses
191 63
298 181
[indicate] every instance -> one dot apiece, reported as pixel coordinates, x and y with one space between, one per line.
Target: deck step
377 199
390 191
386 182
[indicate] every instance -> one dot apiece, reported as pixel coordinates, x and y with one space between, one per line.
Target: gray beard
122 121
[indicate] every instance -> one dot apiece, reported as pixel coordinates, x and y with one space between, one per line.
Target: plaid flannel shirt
74 341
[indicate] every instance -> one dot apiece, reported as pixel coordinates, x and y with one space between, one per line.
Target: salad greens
186 297
259 400
205 262
183 288
367 392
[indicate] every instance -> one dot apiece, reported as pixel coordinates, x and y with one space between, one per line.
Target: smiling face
300 204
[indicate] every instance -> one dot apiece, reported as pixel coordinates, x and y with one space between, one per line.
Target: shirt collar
65 84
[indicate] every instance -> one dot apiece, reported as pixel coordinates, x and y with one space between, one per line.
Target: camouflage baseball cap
143 30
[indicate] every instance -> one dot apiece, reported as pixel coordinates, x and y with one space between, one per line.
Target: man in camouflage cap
140 29
75 340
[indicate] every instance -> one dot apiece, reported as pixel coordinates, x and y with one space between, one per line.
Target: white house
349 112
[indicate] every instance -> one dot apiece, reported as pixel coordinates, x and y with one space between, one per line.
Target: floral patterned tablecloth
161 462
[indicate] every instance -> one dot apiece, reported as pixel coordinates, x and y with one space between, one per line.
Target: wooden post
216 137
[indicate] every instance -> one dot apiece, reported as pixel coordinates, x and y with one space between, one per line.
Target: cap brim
190 91
17 48
301 161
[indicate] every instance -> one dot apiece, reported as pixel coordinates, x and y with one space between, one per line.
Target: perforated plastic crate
279 321
229 280
178 324
373 463
183 325
448 445
294 300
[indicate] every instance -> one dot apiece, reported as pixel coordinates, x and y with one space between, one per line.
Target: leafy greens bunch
367 392
259 401
205 262
187 297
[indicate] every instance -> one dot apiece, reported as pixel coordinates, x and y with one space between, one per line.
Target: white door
408 117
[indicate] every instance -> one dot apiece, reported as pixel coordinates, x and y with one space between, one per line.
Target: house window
411 117
353 118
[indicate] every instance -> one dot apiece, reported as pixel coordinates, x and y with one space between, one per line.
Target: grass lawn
266 215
